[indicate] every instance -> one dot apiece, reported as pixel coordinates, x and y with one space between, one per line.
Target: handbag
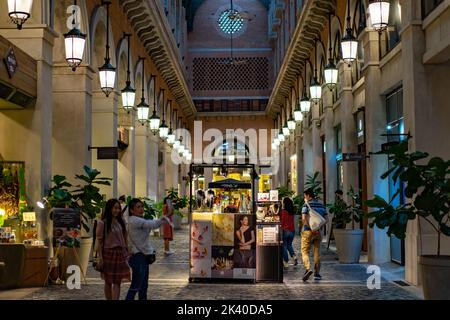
97 267
316 221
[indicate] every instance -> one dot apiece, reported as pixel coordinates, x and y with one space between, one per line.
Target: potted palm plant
427 198
348 241
88 200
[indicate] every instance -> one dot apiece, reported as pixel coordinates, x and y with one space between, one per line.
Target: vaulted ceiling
193 5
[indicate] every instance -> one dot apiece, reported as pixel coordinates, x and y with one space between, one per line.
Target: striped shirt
317 206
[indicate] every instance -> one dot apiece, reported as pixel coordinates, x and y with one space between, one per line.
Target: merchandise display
232 236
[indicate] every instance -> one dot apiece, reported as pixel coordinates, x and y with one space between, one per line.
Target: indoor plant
179 203
427 197
86 198
348 241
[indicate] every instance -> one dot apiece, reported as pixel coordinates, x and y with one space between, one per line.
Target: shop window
429 5
395 130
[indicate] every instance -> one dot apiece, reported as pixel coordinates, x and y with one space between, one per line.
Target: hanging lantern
143 109
379 14
107 72
315 90
286 131
291 124
176 145
276 141
170 138
298 116
349 44
163 130
19 11
74 42
331 75
330 72
107 78
274 146
128 93
128 97
181 148
349 47
281 136
154 123
305 104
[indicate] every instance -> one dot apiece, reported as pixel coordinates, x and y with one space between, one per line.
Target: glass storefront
396 130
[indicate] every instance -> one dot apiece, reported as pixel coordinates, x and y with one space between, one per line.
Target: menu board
66 228
270 235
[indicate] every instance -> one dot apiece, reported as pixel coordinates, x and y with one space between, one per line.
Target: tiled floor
169 281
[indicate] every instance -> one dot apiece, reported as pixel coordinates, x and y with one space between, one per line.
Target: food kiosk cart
224 230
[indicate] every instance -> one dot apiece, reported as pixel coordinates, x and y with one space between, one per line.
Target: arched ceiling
193 5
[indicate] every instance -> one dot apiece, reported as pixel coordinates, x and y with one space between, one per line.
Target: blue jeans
288 238
139 280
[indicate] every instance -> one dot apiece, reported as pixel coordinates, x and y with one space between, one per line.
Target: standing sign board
66 228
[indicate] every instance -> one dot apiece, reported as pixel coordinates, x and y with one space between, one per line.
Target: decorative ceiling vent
224 74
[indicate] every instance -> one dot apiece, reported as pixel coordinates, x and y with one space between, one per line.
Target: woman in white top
138 236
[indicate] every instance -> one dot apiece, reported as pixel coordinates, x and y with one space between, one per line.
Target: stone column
153 168
72 118
126 165
282 170
300 161
141 158
316 141
330 145
37 41
425 107
378 241
104 134
348 126
308 168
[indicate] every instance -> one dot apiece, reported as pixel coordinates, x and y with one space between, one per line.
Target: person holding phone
141 248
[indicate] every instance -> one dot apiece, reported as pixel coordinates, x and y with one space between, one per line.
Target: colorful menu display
66 228
223 246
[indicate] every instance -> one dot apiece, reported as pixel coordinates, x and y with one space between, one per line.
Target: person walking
288 227
168 228
141 248
112 249
309 237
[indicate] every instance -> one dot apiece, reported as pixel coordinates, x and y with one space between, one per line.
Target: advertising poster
201 249
245 247
222 262
223 230
66 228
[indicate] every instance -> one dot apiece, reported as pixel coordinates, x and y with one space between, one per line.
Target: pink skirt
115 265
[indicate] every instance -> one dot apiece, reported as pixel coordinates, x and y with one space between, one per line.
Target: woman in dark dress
247 240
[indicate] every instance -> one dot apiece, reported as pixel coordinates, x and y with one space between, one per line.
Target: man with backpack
311 237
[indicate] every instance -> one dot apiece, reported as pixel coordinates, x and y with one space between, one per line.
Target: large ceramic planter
435 277
348 244
84 253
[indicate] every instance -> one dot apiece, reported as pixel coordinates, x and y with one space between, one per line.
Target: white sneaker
168 253
286 265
